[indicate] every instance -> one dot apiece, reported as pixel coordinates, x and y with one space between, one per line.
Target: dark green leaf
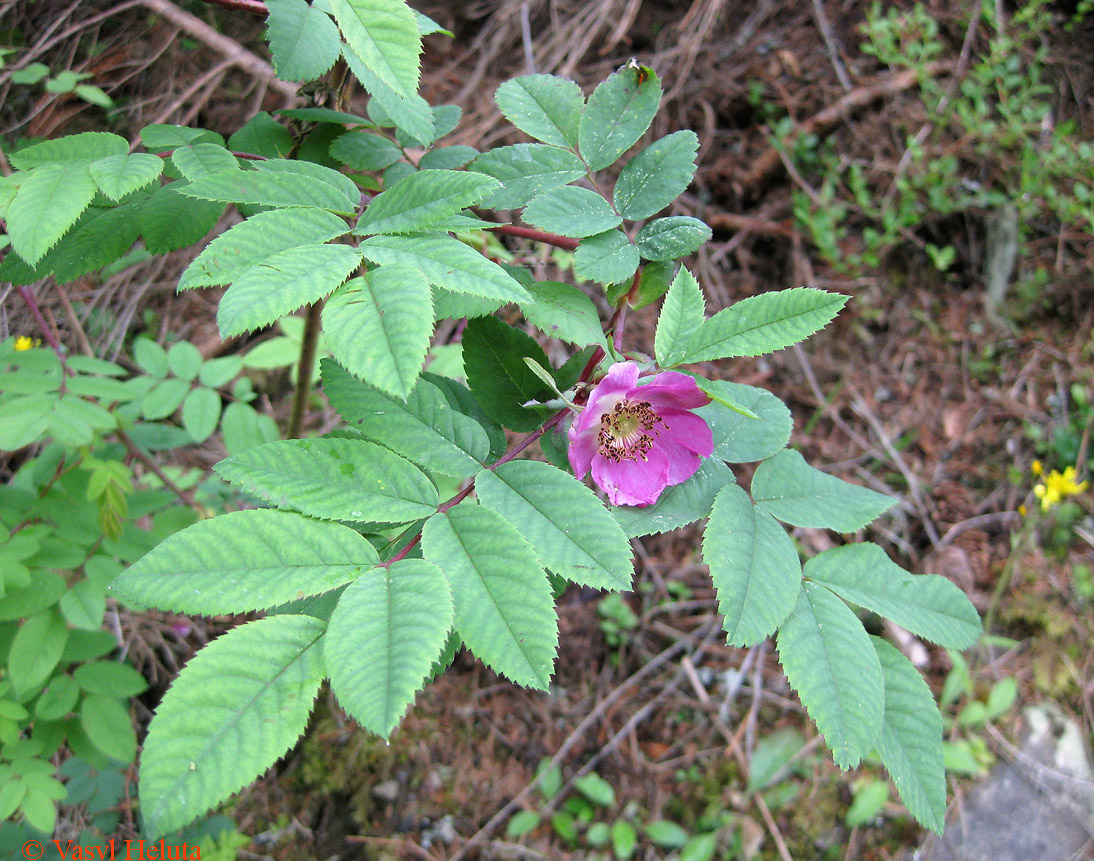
493 357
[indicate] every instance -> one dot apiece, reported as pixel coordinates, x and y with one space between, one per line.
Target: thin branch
47 331
304 369
255 7
153 467
565 242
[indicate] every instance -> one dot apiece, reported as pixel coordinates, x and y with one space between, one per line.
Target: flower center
625 431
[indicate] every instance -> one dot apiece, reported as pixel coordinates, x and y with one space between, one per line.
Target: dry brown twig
229 48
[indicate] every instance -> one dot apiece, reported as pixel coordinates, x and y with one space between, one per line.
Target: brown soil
909 391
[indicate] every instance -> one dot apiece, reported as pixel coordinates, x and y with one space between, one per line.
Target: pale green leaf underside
384 35
754 566
571 211
504 609
283 282
608 258
671 238
387 630
678 506
118 175
795 492
619 111
765 323
562 311
656 176
333 479
258 238
927 604
525 170
410 113
424 429
48 203
739 438
682 315
423 198
238 706
203 159
545 107
562 519
379 326
830 662
270 188
911 738
304 41
244 561
447 263
83 147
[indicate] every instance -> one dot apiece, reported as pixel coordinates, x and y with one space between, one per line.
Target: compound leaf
447 263
562 519
754 566
384 36
678 506
379 326
424 429
671 238
927 604
742 438
620 109
545 107
795 492
504 609
609 258
119 175
283 282
765 323
525 170
48 203
682 315
656 176
333 479
830 662
571 211
271 187
385 633
304 41
235 708
244 561
562 311
423 198
911 738
255 240
203 159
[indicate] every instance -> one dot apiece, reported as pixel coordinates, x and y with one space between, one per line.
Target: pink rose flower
638 440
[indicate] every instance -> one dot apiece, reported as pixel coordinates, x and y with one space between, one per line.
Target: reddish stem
47 333
505 458
565 242
249 156
255 7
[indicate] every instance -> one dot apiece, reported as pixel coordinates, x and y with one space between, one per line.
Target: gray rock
1037 805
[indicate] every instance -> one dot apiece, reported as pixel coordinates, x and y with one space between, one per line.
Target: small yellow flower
1022 510
1057 486
1036 468
24 343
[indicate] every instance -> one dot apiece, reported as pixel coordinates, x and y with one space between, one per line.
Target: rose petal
671 389
682 461
630 482
688 430
583 445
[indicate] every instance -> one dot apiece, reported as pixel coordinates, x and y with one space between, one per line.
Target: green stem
304 369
